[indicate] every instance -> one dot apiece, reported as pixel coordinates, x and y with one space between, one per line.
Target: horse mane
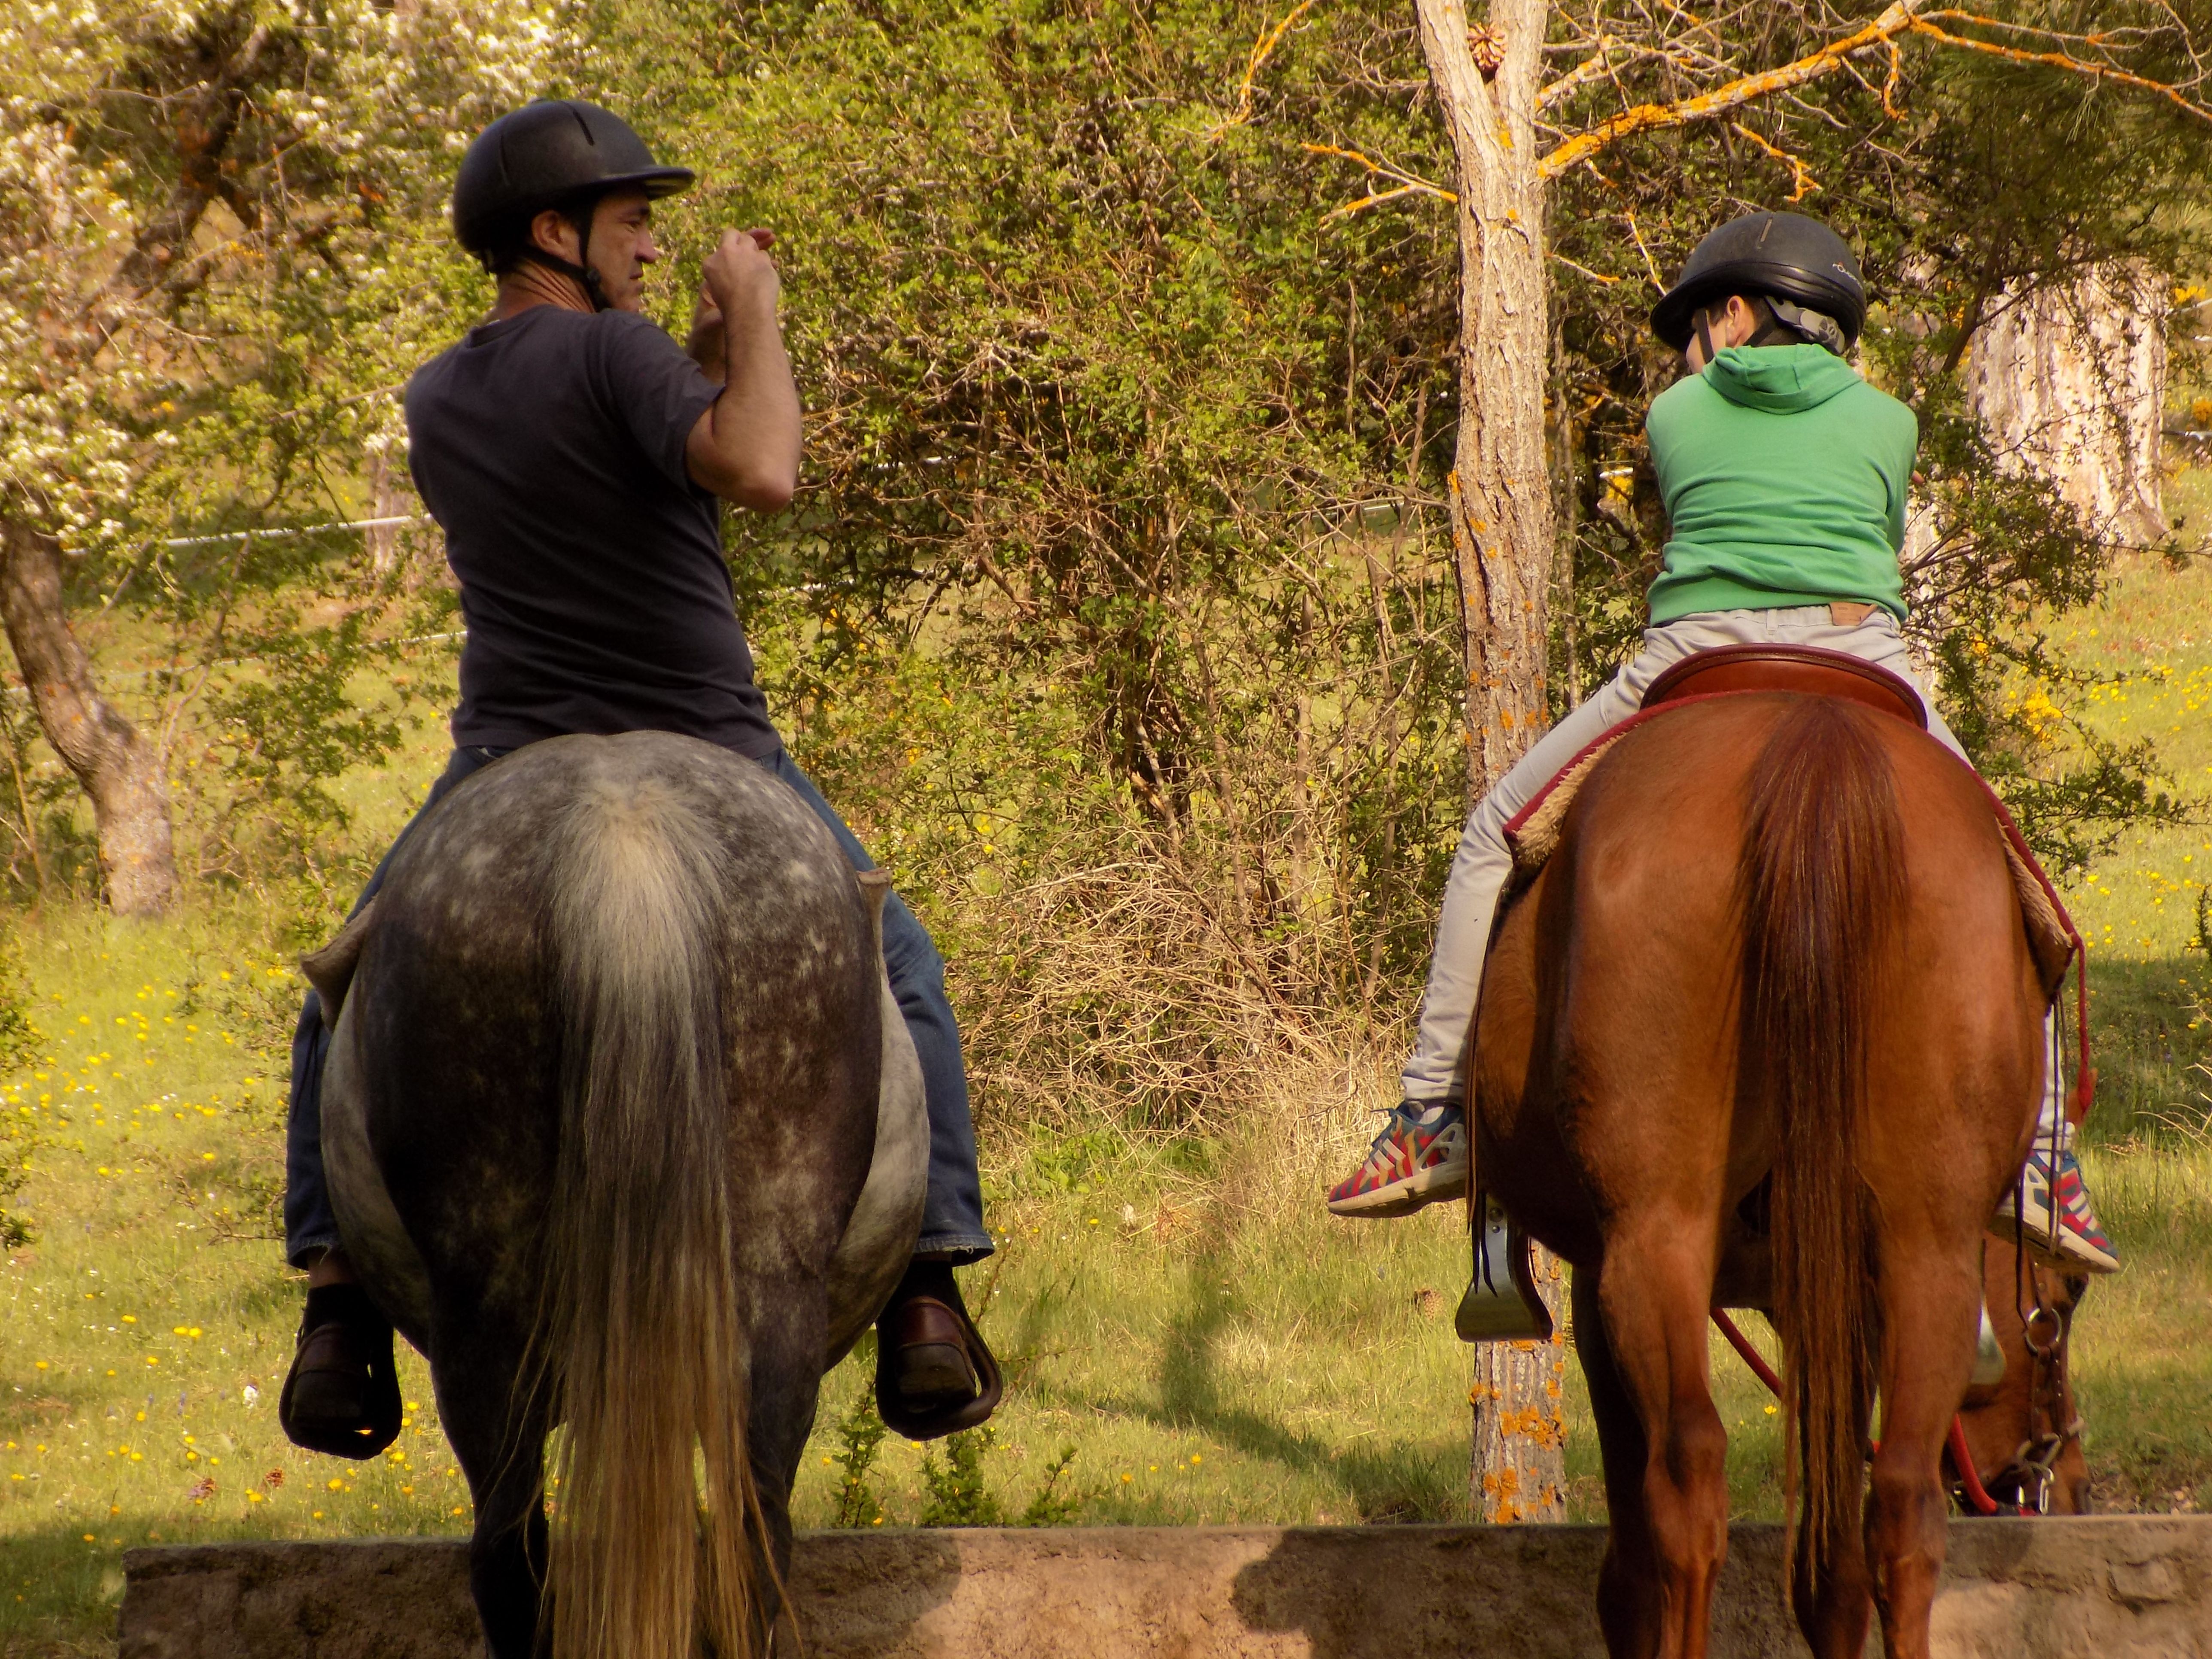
1821 895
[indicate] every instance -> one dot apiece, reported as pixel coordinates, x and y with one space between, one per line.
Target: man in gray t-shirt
576 458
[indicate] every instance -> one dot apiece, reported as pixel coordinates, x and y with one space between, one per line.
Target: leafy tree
1968 179
1124 598
1220 426
217 242
1107 409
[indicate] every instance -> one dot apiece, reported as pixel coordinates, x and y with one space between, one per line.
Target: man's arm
746 447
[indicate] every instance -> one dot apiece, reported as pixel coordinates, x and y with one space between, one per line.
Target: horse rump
619 1030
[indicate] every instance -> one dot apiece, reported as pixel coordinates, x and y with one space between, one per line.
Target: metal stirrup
1501 1305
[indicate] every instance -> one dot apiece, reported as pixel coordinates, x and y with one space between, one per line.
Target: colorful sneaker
1420 1158
2055 1220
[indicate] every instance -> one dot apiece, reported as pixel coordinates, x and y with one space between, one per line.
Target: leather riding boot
343 1394
934 1373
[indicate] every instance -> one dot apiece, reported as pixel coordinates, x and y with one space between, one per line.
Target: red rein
1969 1476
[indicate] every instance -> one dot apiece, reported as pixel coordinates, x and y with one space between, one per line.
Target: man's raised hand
739 272
746 447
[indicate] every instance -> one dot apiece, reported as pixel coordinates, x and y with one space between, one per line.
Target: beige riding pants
1436 1071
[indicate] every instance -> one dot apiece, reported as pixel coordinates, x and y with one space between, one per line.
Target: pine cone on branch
1488 47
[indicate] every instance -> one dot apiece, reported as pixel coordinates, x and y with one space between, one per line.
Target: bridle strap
2049 1430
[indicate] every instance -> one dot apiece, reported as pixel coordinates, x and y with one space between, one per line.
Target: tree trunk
1503 549
382 540
2070 384
119 768
1501 490
1520 1467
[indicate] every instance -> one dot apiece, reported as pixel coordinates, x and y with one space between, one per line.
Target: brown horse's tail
645 1337
1823 889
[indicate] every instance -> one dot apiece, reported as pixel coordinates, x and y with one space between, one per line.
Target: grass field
1209 1345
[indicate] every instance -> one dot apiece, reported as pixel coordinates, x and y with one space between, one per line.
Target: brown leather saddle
1804 669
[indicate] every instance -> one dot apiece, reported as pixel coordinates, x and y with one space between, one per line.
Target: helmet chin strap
1704 335
583 276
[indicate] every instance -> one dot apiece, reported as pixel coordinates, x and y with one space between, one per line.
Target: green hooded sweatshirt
1785 477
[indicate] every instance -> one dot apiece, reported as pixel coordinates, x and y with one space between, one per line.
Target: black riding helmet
561 154
1804 270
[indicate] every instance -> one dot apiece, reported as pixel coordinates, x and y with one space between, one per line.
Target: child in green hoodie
1785 477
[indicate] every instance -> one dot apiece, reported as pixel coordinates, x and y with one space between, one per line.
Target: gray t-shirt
549 447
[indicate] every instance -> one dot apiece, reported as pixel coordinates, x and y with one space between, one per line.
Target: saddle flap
1805 669
330 969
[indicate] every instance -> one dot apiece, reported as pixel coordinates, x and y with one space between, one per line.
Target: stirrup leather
1501 1305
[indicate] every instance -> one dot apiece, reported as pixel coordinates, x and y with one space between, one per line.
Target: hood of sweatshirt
1780 380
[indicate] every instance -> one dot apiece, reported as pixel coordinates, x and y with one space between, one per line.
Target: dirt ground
2124 1587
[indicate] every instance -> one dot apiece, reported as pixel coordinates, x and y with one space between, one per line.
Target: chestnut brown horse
2022 1434
1765 1029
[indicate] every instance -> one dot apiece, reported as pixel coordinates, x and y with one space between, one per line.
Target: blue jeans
953 1215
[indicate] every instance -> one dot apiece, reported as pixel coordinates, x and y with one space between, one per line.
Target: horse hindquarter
1887 1027
1778 936
621 1051
1605 1058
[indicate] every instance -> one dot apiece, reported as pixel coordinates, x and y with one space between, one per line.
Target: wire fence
280 532
284 531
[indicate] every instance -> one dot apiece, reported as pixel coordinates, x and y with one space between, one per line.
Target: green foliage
19 1038
16 1228
1967 181
859 1437
223 248
2010 556
286 734
1051 1507
957 1496
38 797
20 1043
1116 609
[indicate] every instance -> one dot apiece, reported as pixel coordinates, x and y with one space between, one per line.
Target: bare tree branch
1263 49
1902 17
1647 117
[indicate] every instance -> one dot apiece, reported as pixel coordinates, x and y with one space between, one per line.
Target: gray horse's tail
645 1337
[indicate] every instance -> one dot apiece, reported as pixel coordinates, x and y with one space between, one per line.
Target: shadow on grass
2145 1054
59 1594
1399 1480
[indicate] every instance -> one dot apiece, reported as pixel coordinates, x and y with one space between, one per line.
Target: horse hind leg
1628 1581
503 1460
1653 1298
1929 1312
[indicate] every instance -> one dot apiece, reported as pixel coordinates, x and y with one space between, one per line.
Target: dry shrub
1121 995
1122 992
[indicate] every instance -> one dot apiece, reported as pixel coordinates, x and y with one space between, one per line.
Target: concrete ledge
2118 1588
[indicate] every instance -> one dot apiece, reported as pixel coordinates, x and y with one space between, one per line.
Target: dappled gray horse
626 1134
